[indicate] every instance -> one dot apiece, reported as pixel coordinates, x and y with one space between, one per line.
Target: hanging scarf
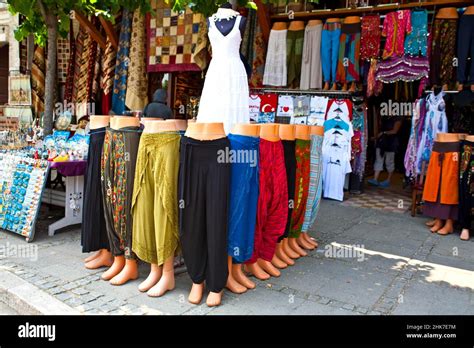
37 80
107 77
137 81
81 37
69 84
122 64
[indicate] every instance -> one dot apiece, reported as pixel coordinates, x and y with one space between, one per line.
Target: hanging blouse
395 25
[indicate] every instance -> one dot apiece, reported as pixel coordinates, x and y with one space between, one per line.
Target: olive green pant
155 198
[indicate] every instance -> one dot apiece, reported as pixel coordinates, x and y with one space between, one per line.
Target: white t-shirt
317 111
254 107
339 108
285 106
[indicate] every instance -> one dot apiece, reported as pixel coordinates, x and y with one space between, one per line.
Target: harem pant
443 49
349 54
330 50
290 166
466 184
294 55
272 200
93 231
466 49
119 156
243 196
203 199
155 198
301 186
315 183
441 192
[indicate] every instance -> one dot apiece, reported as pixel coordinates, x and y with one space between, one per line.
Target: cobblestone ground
369 262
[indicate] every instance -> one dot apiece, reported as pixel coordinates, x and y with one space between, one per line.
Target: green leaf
252 5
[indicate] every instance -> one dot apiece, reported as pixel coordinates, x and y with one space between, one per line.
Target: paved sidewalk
392 265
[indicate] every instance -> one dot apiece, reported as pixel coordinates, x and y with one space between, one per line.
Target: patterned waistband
442 147
330 26
158 139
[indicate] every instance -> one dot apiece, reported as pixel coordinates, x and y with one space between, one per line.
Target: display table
74 172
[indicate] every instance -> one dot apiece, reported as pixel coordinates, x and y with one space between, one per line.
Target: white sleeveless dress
225 96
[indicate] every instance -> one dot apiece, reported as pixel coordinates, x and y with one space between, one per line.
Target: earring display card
22 181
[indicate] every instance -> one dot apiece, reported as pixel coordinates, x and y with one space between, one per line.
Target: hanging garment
268 108
202 54
118 163
301 186
441 190
406 69
349 54
315 183
78 64
466 184
107 76
330 50
370 37
136 97
275 64
311 69
244 181
395 26
416 42
443 48
258 64
122 64
413 142
154 205
285 106
254 107
465 73
203 191
272 200
341 108
93 230
289 150
69 83
435 121
294 54
38 69
317 111
225 96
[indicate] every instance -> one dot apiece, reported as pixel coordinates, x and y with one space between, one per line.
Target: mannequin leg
277 262
294 245
116 268
465 234
257 271
326 86
104 259
129 272
430 223
240 277
195 295
232 284
152 279
166 283
214 299
437 226
334 87
93 256
282 255
268 267
344 87
353 87
288 250
448 228
301 240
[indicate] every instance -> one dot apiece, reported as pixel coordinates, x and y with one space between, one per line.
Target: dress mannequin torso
287 132
333 20
302 132
448 137
181 125
225 20
252 130
269 132
118 122
469 138
97 121
447 13
352 19
296 25
469 10
205 131
158 126
279 26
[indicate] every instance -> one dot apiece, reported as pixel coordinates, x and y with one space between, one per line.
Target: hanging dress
225 96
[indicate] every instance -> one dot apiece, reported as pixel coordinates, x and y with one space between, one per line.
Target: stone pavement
369 262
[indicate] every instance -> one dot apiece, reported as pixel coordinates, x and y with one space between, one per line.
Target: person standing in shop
387 144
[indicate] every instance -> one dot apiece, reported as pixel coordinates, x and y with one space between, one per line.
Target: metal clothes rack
288 91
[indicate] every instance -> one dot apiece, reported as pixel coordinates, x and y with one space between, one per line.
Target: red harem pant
272 210
302 151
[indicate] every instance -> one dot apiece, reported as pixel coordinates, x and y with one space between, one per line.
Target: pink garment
395 26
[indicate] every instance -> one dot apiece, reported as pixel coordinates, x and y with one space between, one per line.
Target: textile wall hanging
38 69
107 76
63 54
172 39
